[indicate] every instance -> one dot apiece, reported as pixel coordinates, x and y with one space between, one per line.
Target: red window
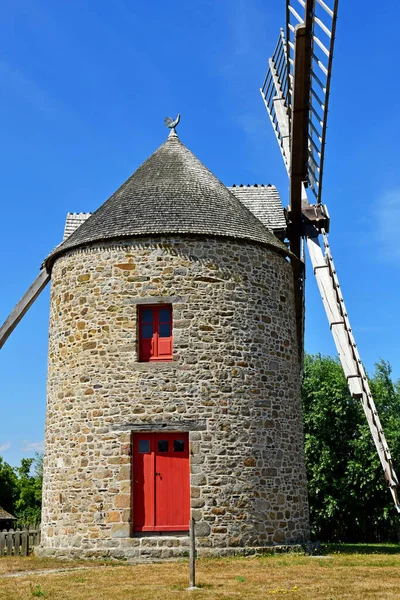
161 482
155 332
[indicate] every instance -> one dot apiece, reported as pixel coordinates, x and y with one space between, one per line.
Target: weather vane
171 123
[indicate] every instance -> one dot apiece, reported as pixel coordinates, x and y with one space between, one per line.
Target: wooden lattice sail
296 95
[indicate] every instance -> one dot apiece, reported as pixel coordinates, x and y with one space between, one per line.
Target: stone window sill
155 365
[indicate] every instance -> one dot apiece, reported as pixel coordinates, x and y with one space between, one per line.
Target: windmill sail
328 284
73 221
278 83
23 305
315 20
275 92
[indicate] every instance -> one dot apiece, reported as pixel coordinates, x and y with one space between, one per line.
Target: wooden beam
184 425
299 158
298 271
299 137
23 305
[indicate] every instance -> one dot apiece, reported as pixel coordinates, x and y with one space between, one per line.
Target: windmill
296 95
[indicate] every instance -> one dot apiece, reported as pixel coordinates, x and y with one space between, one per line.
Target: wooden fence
18 542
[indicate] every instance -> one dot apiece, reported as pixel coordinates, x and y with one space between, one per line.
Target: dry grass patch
17 564
341 577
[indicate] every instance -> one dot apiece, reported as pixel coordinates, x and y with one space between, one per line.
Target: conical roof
6 516
172 192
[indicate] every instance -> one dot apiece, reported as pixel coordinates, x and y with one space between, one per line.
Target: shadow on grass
360 548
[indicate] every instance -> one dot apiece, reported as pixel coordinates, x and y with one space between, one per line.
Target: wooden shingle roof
265 203
172 192
6 516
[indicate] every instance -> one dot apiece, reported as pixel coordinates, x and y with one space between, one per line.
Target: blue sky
84 88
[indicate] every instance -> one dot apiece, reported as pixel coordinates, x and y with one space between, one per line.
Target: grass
16 564
338 576
361 548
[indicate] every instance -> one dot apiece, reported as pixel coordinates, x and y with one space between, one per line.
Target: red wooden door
161 490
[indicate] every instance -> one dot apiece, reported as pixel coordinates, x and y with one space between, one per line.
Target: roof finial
171 124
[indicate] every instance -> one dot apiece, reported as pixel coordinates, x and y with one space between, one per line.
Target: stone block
113 516
202 529
198 479
122 501
120 530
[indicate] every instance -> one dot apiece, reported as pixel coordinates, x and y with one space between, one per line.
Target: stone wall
234 371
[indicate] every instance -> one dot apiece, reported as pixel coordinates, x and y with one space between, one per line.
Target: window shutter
155 333
164 331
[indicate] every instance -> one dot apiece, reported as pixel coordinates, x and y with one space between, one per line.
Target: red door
160 476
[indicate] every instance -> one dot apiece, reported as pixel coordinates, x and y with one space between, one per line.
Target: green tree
8 486
21 490
29 491
349 499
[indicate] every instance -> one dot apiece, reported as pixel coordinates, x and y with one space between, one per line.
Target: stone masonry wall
235 370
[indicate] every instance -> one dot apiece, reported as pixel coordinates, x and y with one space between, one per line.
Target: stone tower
200 408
